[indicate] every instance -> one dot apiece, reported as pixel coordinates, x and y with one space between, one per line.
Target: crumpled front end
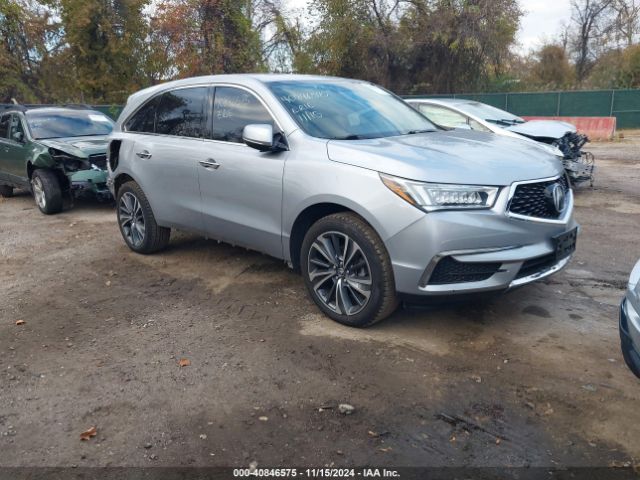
579 165
90 183
84 170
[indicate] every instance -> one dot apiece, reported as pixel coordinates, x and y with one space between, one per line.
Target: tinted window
442 116
16 127
233 109
183 113
144 120
4 126
59 123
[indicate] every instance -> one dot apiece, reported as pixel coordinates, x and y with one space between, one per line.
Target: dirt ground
533 378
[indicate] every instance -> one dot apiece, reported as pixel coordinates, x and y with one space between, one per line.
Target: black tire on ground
47 192
152 237
6 191
382 301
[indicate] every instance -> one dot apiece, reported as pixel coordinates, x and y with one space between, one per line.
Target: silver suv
345 182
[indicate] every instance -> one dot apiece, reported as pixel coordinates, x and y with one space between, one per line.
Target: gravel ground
534 377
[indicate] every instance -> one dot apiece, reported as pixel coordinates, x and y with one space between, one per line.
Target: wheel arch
120 180
311 214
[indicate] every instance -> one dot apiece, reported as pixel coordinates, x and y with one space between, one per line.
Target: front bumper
518 251
90 183
630 336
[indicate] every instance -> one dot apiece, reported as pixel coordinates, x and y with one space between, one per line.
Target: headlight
553 150
436 196
634 279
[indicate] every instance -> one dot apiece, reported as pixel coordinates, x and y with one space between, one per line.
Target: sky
542 20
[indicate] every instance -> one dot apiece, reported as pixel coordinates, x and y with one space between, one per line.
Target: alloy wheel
38 192
339 273
131 219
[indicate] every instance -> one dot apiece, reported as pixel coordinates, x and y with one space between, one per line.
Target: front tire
47 192
6 191
137 223
347 270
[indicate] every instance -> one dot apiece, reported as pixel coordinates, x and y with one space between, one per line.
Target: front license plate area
566 243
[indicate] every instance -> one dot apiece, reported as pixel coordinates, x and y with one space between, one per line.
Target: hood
78 146
543 128
455 156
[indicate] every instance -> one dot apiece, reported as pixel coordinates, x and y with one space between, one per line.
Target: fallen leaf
263 419
184 362
498 441
387 449
92 432
20 322
373 434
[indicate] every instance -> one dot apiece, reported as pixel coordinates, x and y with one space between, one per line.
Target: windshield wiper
350 137
413 132
502 121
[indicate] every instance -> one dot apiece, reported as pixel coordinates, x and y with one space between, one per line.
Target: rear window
145 118
183 113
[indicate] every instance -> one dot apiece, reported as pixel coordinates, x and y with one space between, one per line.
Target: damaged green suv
57 153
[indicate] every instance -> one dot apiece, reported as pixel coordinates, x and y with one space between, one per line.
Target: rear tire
6 191
46 191
137 223
347 270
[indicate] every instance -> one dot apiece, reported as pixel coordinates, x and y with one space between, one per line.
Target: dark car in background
54 152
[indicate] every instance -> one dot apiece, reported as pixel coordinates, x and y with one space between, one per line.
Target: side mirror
261 137
18 137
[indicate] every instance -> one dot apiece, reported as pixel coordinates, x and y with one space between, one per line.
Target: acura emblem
555 197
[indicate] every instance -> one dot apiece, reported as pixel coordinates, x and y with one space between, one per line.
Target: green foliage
552 70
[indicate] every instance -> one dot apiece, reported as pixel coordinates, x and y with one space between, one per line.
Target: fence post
558 104
613 96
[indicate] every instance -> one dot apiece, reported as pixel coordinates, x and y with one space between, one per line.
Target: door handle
210 163
144 154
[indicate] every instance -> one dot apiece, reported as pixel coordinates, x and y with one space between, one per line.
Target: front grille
535 265
529 199
99 160
449 270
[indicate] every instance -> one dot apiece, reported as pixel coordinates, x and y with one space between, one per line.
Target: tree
626 20
551 69
206 37
30 45
104 39
457 45
589 18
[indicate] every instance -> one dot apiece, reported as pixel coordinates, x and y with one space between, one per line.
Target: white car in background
557 137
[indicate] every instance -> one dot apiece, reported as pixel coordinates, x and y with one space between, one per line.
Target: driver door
240 187
16 150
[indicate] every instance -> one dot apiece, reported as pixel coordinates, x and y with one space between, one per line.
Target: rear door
168 151
241 187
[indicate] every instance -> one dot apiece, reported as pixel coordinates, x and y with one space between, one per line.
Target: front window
68 123
489 113
442 116
348 110
234 109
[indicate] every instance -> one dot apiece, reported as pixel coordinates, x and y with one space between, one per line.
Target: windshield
348 110
489 113
68 123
